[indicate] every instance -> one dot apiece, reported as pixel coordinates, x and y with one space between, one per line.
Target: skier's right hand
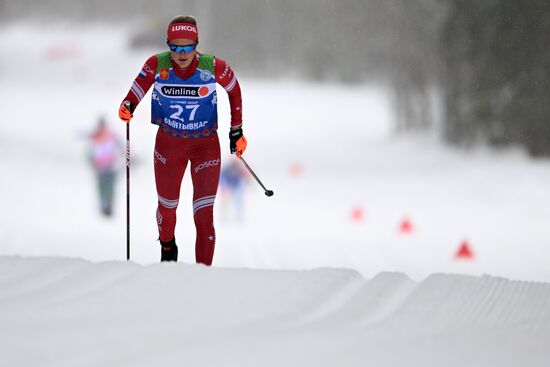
125 111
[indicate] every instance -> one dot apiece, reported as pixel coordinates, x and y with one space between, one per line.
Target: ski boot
169 251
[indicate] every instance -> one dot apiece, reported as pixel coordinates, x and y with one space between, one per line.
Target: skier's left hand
237 141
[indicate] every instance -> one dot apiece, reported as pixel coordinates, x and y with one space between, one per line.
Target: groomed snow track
67 312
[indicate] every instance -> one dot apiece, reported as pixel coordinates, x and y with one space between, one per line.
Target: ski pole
127 191
267 192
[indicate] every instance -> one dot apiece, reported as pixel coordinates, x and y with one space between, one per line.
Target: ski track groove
438 303
466 304
487 301
109 278
540 313
73 286
511 298
306 299
487 289
457 303
501 302
23 283
372 302
478 298
524 319
528 305
517 299
333 302
496 302
389 305
482 293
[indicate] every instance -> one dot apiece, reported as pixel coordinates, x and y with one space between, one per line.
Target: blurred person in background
232 184
105 151
184 106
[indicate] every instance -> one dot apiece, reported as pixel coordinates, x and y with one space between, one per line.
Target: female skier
184 105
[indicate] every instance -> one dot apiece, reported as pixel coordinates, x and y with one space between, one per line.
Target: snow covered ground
328 152
65 312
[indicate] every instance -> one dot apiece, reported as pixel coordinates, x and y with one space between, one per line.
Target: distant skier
184 106
232 184
104 154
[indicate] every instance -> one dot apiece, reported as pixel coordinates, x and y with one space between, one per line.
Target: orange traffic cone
296 169
357 213
406 226
464 252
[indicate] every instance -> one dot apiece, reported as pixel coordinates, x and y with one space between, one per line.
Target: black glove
237 141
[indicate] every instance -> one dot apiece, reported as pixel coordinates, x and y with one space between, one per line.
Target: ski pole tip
268 192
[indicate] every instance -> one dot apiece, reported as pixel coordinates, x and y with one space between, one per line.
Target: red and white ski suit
173 153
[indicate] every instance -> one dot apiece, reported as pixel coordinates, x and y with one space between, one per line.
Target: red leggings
171 157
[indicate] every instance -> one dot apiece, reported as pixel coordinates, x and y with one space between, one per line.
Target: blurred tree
489 59
413 59
497 83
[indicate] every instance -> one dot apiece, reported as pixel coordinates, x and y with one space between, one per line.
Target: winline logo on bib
184 91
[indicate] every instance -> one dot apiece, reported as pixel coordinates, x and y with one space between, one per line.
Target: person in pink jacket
105 151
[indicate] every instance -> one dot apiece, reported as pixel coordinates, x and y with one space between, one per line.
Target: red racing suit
184 105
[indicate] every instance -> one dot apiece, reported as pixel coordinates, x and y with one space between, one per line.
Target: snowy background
343 182
318 274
